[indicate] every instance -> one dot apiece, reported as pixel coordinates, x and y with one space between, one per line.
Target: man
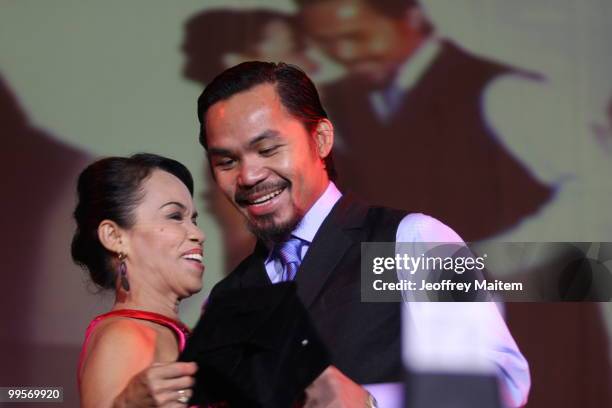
493 151
425 95
240 35
269 145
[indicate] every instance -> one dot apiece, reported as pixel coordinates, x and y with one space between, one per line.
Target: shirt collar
414 67
314 217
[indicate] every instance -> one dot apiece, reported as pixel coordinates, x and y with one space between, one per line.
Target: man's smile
260 195
265 198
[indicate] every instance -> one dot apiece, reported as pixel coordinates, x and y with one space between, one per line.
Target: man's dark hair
390 8
111 189
296 91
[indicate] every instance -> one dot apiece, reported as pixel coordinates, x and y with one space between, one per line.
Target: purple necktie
289 254
392 97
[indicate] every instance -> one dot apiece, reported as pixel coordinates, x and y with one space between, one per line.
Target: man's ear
111 236
324 138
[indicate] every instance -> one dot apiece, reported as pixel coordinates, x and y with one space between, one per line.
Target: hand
160 385
332 389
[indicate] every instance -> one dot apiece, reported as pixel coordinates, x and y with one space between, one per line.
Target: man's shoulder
380 221
383 214
408 226
353 209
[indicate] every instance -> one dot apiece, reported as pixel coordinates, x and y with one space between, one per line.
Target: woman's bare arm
120 370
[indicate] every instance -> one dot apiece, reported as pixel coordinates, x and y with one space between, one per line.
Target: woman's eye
176 216
194 221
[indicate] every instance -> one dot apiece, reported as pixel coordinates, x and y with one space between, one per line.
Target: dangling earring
125 284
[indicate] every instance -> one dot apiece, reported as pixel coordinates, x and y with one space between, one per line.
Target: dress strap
180 329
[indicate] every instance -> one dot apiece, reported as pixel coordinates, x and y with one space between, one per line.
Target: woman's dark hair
296 91
110 189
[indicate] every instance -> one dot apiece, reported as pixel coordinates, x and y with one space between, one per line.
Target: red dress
180 330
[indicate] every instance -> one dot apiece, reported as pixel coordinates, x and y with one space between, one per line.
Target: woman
136 234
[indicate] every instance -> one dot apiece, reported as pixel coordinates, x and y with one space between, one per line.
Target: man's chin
269 229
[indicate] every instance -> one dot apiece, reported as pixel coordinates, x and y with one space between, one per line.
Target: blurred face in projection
164 245
265 161
277 41
368 43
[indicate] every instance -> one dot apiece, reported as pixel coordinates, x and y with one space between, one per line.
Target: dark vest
364 339
437 155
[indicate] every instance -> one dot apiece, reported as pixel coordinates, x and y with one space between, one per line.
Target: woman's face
164 246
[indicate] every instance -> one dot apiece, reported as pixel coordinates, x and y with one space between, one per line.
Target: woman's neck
148 301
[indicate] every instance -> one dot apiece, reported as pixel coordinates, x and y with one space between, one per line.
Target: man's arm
458 337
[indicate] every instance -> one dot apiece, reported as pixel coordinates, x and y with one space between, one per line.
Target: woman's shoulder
118 340
125 331
117 349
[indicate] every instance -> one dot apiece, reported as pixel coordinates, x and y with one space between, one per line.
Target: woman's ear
324 138
111 236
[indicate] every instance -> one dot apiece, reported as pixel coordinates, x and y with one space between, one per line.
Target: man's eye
225 163
268 151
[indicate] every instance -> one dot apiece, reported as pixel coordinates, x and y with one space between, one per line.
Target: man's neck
316 214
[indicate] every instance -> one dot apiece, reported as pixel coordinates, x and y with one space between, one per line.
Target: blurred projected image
220 38
38 171
415 131
603 129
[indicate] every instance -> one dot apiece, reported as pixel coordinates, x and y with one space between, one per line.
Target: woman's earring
125 284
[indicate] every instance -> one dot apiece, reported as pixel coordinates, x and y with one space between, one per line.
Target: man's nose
251 173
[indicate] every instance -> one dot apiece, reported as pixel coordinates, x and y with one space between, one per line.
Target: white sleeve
458 337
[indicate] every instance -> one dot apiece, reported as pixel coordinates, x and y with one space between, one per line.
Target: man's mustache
244 196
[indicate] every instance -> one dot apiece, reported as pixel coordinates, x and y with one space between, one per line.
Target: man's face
366 42
264 160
